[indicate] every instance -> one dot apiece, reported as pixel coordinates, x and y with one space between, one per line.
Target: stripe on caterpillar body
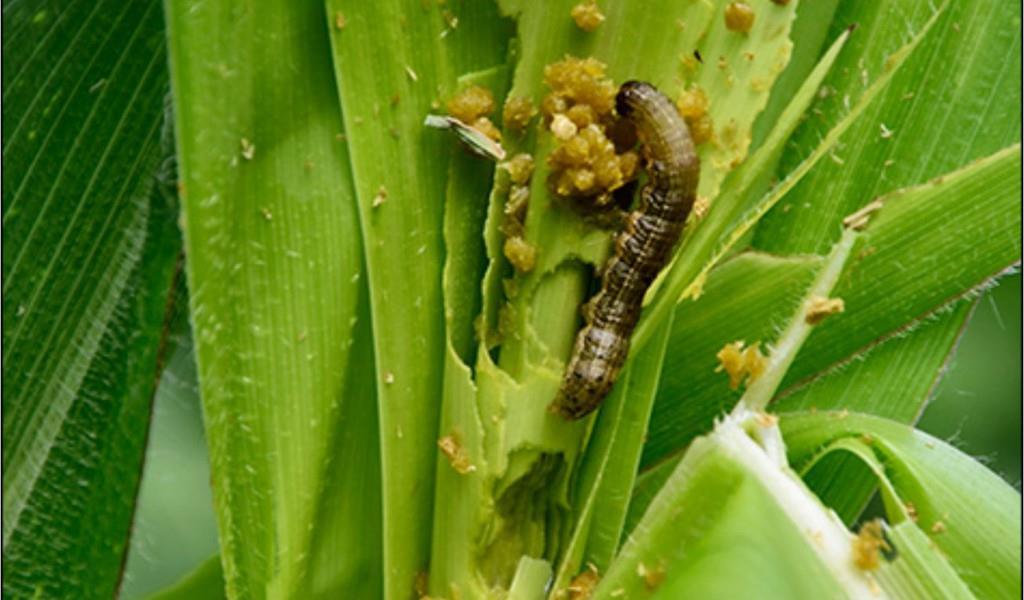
641 249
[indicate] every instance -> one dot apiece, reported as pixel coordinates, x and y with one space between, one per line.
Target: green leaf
761 389
346 545
175 517
983 29
894 380
938 123
934 244
278 299
399 169
901 558
761 386
967 511
952 102
732 520
467 200
920 570
457 494
747 298
910 223
810 33
970 41
750 531
920 478
911 246
89 253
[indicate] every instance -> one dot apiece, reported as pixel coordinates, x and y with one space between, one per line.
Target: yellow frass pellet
739 17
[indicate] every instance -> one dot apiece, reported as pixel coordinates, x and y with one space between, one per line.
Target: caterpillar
641 250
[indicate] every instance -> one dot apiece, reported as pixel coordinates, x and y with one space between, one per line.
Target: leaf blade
934 128
965 509
89 257
275 267
404 165
899 248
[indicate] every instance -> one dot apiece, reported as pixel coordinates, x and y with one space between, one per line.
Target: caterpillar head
630 94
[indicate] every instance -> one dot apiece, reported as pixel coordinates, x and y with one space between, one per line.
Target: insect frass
641 250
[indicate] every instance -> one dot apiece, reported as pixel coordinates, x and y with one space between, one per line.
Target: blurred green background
977 406
175 528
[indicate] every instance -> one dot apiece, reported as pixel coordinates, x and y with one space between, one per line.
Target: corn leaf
897 382
399 169
925 124
842 86
458 491
733 520
810 34
949 104
277 298
89 255
920 570
904 225
748 298
915 247
967 512
894 380
927 487
970 40
914 223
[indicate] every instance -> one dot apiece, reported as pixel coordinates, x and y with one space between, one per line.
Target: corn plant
255 178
